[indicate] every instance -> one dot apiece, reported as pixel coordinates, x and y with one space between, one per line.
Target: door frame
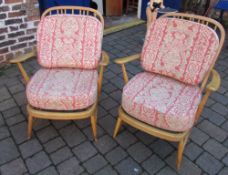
139 9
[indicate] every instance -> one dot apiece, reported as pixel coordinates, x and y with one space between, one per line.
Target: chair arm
104 62
122 61
24 57
213 85
104 59
127 59
215 82
21 59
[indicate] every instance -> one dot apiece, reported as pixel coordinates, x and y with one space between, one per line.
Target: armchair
178 57
69 41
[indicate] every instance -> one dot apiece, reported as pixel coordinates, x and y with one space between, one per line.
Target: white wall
139 8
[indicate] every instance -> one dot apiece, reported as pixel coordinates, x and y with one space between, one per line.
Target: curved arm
125 60
24 57
212 86
21 59
215 82
104 62
104 59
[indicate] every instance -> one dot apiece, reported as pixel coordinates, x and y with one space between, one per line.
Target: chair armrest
104 62
24 57
104 59
21 59
215 82
127 59
213 85
122 61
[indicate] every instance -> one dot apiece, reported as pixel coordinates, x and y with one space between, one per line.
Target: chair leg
94 126
117 128
180 151
30 120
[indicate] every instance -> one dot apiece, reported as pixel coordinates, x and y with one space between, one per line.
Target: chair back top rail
72 10
213 24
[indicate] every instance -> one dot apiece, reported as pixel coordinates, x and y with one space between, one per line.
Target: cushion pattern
62 89
72 41
161 101
180 49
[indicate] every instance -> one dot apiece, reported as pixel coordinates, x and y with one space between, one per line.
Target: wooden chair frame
206 86
90 112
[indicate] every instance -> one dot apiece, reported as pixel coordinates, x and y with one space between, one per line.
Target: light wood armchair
90 111
210 83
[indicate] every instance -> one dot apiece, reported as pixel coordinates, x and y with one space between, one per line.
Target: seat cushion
180 49
161 102
72 41
62 89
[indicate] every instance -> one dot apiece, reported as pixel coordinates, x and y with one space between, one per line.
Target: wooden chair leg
180 151
30 120
94 126
117 128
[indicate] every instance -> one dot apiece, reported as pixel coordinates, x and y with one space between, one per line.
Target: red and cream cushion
72 41
62 89
180 49
161 101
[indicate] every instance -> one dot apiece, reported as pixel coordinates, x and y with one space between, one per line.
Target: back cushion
72 41
181 49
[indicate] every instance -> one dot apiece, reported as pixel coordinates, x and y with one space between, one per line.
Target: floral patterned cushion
72 41
161 101
62 89
180 49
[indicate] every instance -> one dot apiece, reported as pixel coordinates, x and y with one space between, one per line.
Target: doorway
120 12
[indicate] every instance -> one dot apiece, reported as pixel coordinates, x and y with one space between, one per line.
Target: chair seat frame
206 86
91 111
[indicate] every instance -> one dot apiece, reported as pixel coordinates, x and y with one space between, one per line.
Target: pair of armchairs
165 100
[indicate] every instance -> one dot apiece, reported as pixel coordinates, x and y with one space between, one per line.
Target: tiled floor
67 147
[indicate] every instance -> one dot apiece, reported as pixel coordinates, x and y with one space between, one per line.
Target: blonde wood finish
127 59
24 57
215 82
104 62
21 59
81 10
122 61
212 86
23 72
118 125
126 118
207 88
30 122
90 112
61 115
180 150
94 126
